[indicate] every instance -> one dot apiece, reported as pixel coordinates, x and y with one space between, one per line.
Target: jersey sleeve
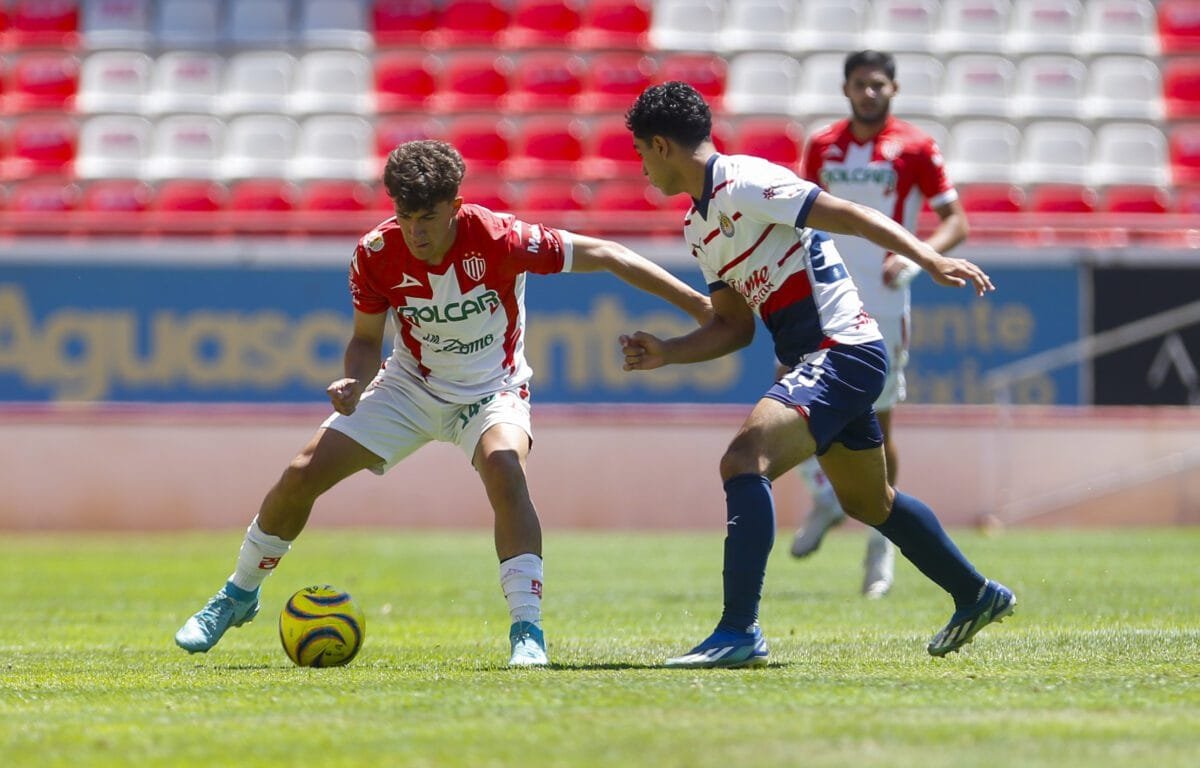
537 248
781 197
812 160
932 179
363 295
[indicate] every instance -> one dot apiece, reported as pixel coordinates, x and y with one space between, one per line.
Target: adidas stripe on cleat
725 648
994 605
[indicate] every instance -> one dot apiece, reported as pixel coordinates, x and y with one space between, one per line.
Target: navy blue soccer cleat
726 648
994 604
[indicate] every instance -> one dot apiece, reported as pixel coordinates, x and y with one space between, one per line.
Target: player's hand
344 394
643 352
959 272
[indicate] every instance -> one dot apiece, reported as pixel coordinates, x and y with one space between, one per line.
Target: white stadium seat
113 146
687 25
186 147
192 24
1119 26
1055 152
974 26
335 147
921 80
257 81
114 81
259 146
1130 154
830 25
978 85
258 24
1050 86
762 82
820 89
984 151
903 25
186 81
333 81
1045 26
124 24
758 25
1124 87
334 24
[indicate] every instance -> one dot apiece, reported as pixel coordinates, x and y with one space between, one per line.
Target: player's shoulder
835 132
482 223
383 235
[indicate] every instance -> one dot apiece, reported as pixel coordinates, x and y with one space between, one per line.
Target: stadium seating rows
1041 105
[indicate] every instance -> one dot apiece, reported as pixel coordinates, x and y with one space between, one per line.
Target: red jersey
460 324
891 172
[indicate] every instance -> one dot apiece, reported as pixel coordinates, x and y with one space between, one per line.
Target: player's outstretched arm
730 328
360 363
592 254
833 214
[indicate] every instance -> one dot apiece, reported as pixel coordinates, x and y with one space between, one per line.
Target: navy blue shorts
836 391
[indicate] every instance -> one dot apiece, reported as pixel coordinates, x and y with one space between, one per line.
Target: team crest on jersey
890 149
474 266
725 224
373 241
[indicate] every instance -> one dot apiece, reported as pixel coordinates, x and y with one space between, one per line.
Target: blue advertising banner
137 333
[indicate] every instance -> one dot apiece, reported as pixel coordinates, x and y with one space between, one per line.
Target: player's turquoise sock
749 536
914 528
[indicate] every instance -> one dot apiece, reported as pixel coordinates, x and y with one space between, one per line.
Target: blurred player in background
877 160
755 230
453 274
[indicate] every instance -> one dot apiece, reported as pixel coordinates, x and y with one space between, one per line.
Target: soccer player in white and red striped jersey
452 275
758 234
875 159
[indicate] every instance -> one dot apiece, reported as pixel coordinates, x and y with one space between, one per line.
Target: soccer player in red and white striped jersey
875 159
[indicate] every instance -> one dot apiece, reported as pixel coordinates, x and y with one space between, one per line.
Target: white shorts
397 415
895 336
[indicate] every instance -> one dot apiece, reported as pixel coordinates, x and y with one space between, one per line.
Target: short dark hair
421 174
872 59
673 110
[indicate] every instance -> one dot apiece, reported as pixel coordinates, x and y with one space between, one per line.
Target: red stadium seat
1135 199
542 23
45 196
777 138
555 195
117 196
405 81
1184 148
484 141
43 24
45 80
469 23
190 196
1063 198
546 81
703 71
547 146
610 150
1187 200
392 131
42 145
991 198
1181 87
473 81
614 24
337 195
616 80
632 205
1179 26
263 195
403 22
488 193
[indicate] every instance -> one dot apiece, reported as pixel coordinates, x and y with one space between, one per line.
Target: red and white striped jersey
747 232
460 324
893 173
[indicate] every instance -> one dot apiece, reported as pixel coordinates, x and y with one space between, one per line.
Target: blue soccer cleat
994 604
206 628
726 648
528 645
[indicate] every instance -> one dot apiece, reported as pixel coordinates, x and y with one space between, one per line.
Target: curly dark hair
673 110
421 174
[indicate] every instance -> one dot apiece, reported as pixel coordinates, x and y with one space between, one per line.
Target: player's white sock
260 553
521 580
818 484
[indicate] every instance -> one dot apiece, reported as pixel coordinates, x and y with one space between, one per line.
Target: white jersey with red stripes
460 324
893 172
748 233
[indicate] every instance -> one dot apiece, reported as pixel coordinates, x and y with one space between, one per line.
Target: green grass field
1100 665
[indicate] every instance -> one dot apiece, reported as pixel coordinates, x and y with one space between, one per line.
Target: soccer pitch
1100 666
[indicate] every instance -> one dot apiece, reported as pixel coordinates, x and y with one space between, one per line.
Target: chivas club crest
726 225
474 266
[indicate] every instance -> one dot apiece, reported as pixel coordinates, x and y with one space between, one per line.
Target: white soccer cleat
528 645
824 515
879 566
